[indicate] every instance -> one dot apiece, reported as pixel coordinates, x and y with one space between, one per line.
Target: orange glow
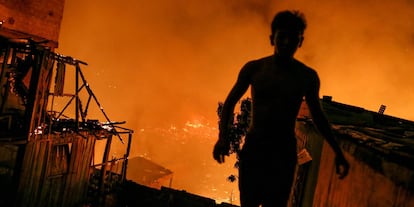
161 65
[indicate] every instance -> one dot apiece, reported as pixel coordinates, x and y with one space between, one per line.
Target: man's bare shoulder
305 69
253 66
260 61
269 60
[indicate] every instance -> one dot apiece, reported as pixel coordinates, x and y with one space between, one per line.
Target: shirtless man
278 85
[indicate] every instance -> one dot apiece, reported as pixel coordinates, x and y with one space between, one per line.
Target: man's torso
277 93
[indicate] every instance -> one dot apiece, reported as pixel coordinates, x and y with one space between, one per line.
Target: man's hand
342 166
221 149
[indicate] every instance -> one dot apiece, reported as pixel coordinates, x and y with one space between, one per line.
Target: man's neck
283 59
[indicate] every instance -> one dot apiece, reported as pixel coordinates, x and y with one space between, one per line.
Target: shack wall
55 170
363 186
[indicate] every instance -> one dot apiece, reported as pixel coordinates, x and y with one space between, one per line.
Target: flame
179 145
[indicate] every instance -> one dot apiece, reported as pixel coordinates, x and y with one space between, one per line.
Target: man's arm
222 147
324 127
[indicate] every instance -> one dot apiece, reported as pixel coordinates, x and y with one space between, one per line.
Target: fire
180 146
160 62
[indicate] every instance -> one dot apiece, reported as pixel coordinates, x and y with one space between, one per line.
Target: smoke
362 52
162 58
157 64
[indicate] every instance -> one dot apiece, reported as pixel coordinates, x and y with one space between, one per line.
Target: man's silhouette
278 84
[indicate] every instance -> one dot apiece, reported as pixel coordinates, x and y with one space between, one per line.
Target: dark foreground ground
132 194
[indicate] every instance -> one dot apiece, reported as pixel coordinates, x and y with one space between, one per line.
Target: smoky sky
161 63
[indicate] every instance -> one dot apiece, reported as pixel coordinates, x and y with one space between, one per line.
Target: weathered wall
36 18
56 170
361 188
8 154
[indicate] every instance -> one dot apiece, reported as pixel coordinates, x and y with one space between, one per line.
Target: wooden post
104 166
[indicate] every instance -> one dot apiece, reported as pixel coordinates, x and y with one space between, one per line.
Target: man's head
287 32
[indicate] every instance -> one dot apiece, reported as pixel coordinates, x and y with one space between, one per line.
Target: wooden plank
38 172
77 154
31 186
44 188
71 179
364 186
88 154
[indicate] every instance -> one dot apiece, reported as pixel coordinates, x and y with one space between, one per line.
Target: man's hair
289 20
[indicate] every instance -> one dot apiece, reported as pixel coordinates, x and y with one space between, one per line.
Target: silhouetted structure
46 157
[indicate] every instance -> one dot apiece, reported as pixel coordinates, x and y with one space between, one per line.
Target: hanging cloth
60 78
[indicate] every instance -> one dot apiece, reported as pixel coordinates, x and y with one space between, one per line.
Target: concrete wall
39 19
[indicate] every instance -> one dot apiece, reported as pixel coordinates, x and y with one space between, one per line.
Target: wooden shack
46 154
379 148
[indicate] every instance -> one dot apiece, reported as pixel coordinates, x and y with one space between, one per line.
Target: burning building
46 153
